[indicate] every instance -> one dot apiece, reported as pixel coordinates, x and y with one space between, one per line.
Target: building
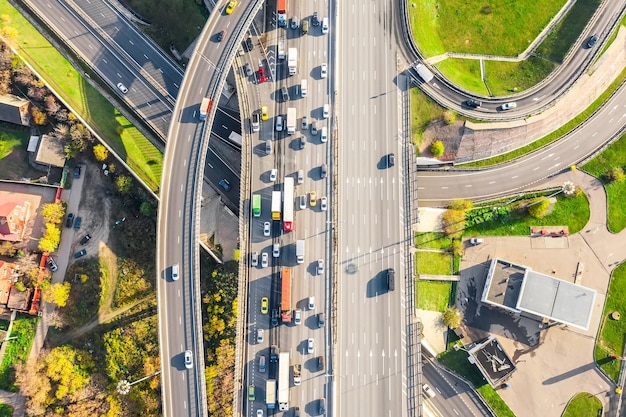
46 152
14 110
522 291
8 272
14 215
491 360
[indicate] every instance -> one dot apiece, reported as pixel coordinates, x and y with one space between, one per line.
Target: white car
323 135
310 346
273 174
259 336
279 123
266 229
174 270
276 250
188 359
320 266
122 88
305 123
297 314
264 260
259 413
311 303
428 390
325 111
323 204
323 71
254 259
302 202
509 106
325 26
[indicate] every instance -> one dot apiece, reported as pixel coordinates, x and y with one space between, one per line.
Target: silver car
264 260
254 259
323 71
266 229
302 202
310 346
305 123
259 336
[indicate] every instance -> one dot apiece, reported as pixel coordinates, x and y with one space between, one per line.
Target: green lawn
84 99
583 404
434 295
423 111
600 166
465 73
432 240
436 263
612 332
559 42
17 350
504 78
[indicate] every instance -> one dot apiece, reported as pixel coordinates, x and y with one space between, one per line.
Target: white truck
300 251
281 50
424 73
292 60
204 107
291 120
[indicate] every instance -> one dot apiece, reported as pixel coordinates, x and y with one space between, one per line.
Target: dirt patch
449 135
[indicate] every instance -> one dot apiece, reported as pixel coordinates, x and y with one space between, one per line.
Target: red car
261 75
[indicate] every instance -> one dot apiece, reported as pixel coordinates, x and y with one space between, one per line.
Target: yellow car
264 305
264 115
312 199
231 7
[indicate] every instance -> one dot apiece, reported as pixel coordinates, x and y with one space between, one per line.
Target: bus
283 381
288 204
256 205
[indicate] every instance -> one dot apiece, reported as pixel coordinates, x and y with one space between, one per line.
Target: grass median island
504 78
101 115
583 404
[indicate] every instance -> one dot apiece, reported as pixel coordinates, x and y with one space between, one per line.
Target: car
175 275
320 320
321 407
225 184
302 202
302 142
325 111
268 147
315 20
256 124
428 390
312 199
264 260
279 123
391 160
249 44
323 203
274 319
259 413
391 279
325 26
254 259
476 241
320 266
323 171
311 303
122 88
262 360
296 412
320 363
509 106
310 345
473 103
273 174
323 70
220 35
69 221
80 253
259 336
285 93
592 41
251 396
276 250
273 354
294 22
261 75
85 239
264 115
297 317
300 176
77 172
266 229
188 359
248 69
52 264
305 123
78 222
313 129
264 305
231 6
323 135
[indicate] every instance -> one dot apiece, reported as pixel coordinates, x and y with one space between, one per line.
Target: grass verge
504 78
424 110
118 132
465 73
440 263
17 350
612 157
434 295
612 332
583 404
557 134
432 240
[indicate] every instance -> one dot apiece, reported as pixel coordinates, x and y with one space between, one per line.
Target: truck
283 381
424 73
236 139
291 120
300 251
270 394
288 204
297 374
276 203
285 295
281 50
281 11
292 60
205 106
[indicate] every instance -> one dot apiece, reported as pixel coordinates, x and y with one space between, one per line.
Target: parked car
77 172
476 241
52 264
69 221
85 239
80 253
78 222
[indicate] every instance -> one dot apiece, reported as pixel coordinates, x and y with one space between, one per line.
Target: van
325 111
320 363
391 279
285 93
305 27
300 176
262 364
320 320
303 88
325 25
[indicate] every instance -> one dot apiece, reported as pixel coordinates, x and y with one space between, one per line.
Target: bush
449 117
437 149
616 175
539 207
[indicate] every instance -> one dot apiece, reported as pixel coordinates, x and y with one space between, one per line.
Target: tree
51 238
539 207
437 148
38 117
57 293
7 249
100 152
617 174
449 117
124 184
147 209
53 213
451 317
